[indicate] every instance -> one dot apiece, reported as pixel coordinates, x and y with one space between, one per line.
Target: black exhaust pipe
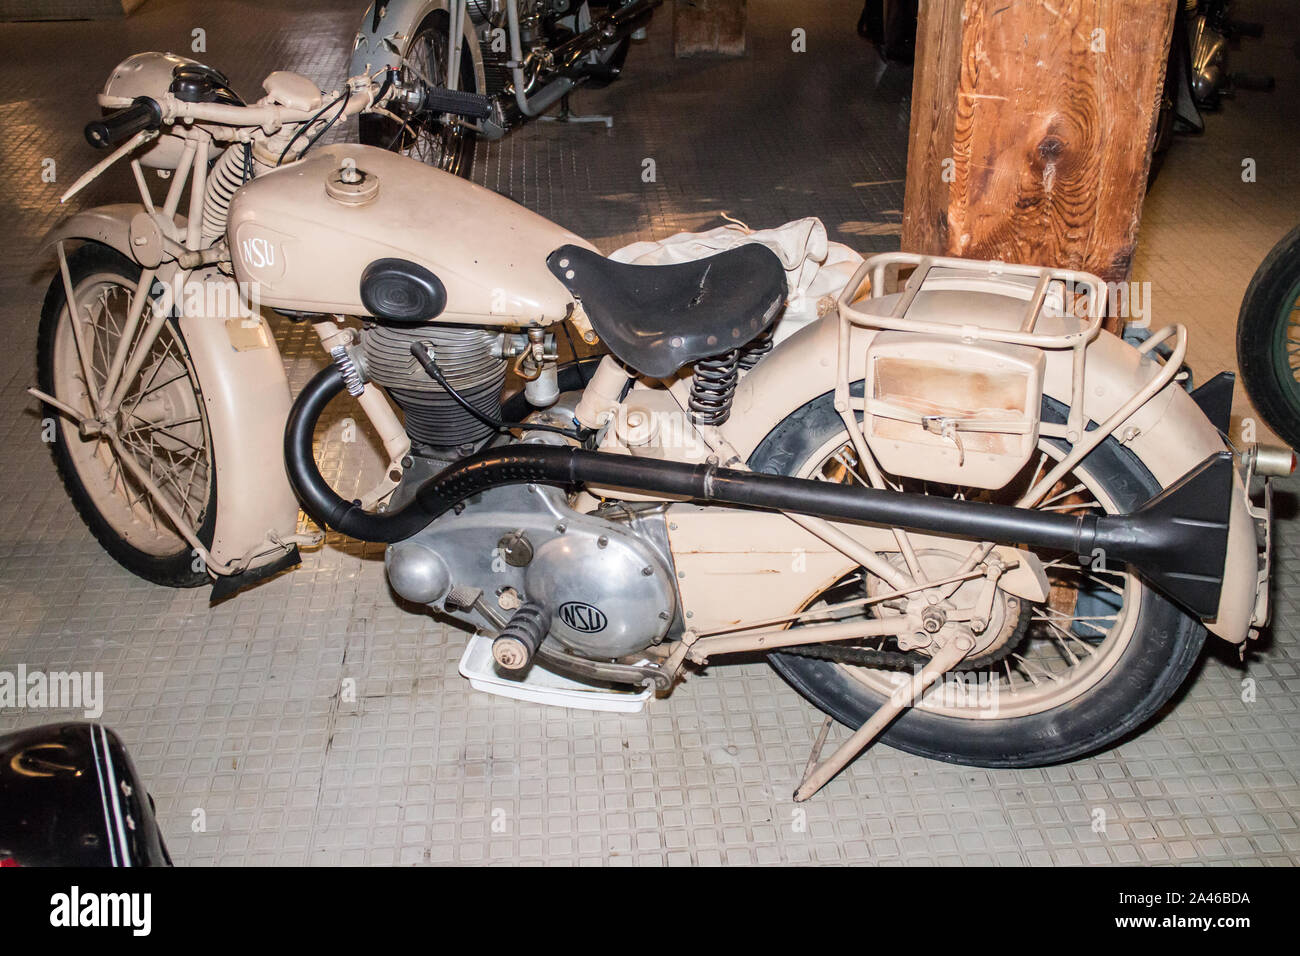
610 28
1178 540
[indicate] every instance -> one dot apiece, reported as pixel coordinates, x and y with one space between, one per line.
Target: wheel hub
933 616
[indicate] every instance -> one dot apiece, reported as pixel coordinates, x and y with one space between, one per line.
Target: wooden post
709 28
1032 127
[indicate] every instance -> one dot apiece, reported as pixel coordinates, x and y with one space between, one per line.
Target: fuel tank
306 233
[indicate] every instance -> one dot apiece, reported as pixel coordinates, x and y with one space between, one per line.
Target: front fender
1172 434
110 225
398 22
246 397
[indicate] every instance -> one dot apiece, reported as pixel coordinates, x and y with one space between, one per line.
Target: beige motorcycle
955 512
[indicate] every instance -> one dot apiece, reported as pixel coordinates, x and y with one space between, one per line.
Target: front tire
163 424
1161 642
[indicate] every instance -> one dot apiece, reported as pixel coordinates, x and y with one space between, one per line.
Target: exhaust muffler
1178 540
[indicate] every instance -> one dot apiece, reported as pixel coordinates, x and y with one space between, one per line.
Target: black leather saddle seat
657 319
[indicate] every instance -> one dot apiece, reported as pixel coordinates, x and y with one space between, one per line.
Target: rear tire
1163 646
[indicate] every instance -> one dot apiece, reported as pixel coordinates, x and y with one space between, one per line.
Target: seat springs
713 386
752 353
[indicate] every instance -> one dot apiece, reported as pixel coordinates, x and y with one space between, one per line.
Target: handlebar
435 99
144 113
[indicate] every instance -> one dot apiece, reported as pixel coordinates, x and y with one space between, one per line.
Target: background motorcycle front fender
370 52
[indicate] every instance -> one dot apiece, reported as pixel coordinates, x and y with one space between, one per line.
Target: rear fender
1170 434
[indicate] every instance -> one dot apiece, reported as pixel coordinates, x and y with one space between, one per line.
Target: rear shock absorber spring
713 386
752 353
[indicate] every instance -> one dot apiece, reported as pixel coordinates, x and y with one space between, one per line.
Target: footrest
540 686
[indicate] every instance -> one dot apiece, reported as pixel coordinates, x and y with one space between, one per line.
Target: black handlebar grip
458 102
119 126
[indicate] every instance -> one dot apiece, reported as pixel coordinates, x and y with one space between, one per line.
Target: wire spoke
1069 633
1031 667
1088 648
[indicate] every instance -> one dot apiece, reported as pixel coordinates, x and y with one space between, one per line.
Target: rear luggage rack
878 270
1059 289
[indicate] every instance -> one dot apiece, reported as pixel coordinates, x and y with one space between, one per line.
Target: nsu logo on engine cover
582 617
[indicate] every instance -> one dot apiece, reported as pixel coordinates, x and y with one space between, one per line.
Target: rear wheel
162 424
1090 664
449 146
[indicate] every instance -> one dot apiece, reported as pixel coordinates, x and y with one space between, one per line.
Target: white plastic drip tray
541 686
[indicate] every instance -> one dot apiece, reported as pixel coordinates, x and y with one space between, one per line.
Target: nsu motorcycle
521 56
951 477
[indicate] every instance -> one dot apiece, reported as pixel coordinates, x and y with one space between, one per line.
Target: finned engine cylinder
470 360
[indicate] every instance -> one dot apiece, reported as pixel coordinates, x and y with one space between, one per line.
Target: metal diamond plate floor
235 715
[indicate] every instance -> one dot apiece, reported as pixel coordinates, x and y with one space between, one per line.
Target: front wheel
1061 679
161 423
1268 339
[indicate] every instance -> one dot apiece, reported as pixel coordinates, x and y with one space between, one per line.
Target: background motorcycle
522 55
70 796
1196 73
1268 338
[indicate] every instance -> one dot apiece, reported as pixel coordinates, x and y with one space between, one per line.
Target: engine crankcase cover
609 593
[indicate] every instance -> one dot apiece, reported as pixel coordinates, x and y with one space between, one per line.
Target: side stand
818 774
566 115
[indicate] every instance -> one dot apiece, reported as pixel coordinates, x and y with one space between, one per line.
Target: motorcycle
1211 30
1268 329
520 56
1196 74
949 479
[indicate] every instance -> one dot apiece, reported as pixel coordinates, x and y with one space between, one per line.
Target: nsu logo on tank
261 252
